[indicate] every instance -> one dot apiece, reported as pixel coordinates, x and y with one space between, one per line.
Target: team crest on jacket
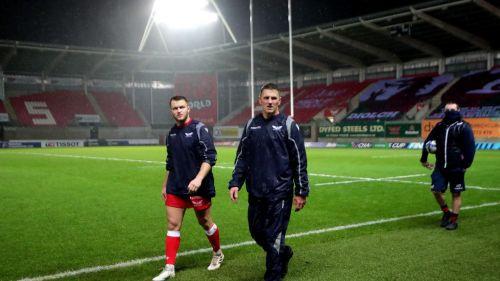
188 135
277 128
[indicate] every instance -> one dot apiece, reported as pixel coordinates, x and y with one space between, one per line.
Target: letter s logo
40 108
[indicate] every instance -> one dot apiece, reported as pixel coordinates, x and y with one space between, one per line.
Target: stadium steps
97 108
231 115
10 110
142 117
435 102
353 103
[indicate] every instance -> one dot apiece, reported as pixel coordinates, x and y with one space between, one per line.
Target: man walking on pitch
270 158
188 183
455 149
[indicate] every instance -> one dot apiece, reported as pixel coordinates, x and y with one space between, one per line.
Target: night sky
119 24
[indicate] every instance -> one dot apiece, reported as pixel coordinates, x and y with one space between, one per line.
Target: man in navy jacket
271 158
189 183
455 149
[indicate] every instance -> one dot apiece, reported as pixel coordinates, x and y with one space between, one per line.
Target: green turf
60 212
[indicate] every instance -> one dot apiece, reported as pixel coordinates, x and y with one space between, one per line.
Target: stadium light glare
183 14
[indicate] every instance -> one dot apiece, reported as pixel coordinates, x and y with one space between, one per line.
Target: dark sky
119 24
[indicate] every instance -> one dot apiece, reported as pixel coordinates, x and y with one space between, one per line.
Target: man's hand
164 191
194 185
428 165
299 202
233 194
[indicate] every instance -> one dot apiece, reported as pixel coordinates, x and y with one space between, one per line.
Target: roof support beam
224 64
298 59
457 32
412 42
99 65
143 64
48 69
335 56
260 63
6 59
367 48
488 7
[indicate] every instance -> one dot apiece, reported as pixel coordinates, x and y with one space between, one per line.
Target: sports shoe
452 226
445 220
216 261
286 255
167 272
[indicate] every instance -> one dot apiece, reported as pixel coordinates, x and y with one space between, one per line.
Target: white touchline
392 156
369 179
428 183
355 179
246 243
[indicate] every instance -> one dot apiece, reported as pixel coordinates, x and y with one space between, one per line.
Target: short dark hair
269 86
452 102
177 98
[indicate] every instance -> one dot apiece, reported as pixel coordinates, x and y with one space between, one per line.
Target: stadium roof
429 30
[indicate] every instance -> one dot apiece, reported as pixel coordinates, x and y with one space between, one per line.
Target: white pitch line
101 158
339 176
369 180
428 183
355 179
393 156
245 243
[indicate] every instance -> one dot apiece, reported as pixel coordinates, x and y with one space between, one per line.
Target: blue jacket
270 158
187 148
454 141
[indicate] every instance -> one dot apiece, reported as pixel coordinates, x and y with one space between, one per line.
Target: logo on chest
188 135
276 128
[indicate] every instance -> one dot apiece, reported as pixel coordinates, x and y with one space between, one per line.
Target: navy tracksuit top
188 147
271 156
455 143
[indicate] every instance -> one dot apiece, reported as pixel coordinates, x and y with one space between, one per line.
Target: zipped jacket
188 147
271 159
454 141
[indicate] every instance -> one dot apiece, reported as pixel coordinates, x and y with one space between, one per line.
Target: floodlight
183 14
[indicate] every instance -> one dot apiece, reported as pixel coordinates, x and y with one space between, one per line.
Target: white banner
87 118
62 143
4 117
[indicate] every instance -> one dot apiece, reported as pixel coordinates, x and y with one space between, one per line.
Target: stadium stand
4 116
333 98
50 108
244 114
117 110
2 107
391 99
478 94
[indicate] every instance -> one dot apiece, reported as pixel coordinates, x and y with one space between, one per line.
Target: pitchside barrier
76 143
131 142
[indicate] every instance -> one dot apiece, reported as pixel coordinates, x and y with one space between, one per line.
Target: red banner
201 91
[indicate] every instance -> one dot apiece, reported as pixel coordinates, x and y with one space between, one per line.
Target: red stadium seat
477 93
50 108
2 107
389 99
117 110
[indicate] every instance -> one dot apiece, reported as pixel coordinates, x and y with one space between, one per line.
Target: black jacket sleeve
240 163
298 161
430 137
468 145
207 147
168 162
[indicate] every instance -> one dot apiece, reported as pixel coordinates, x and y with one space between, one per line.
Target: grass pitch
64 210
